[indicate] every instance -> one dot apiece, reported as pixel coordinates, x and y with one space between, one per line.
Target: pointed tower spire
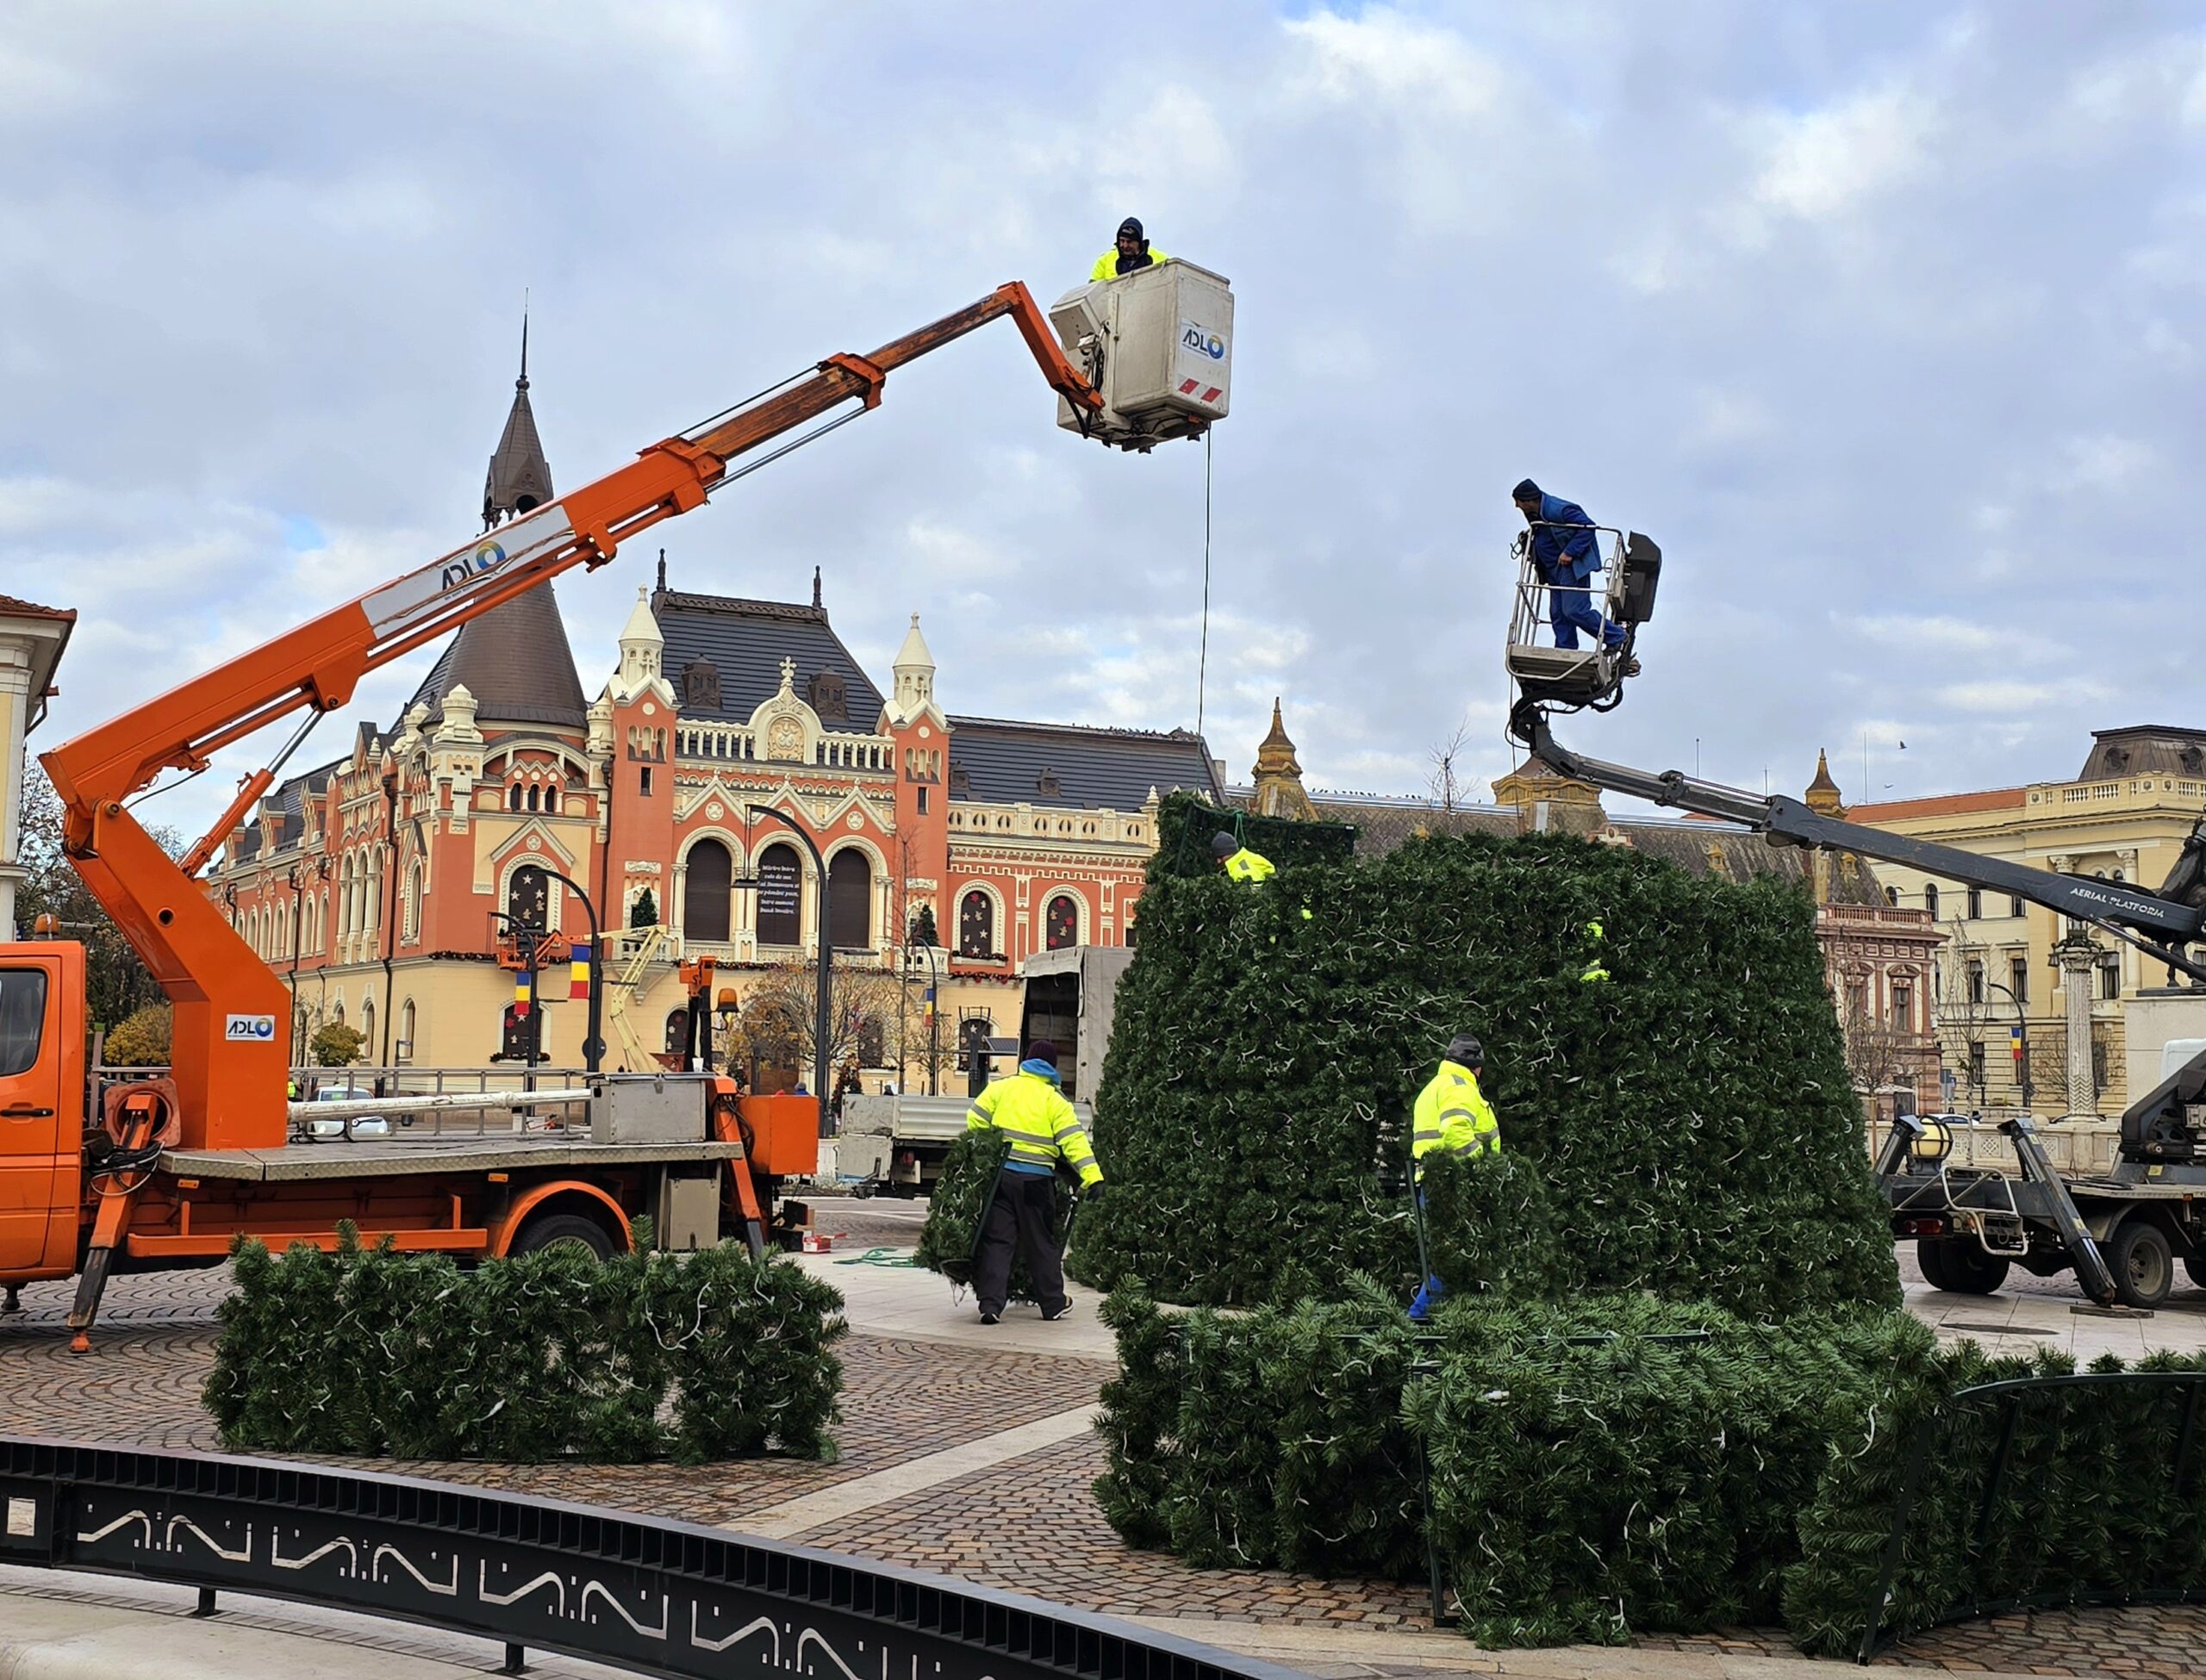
815 586
520 478
1278 789
1822 793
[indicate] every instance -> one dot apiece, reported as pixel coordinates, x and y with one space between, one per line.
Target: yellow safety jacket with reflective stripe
1245 865
1040 1124
1106 265
1453 1115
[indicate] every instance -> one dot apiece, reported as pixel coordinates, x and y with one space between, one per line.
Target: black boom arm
2159 924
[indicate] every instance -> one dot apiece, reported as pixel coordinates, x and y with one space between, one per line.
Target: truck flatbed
397 1157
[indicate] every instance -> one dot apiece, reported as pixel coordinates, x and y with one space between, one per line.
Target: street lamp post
593 1034
822 1013
2022 1039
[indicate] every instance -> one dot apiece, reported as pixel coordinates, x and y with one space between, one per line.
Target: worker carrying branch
1567 554
1130 253
1452 1117
1031 1111
1238 861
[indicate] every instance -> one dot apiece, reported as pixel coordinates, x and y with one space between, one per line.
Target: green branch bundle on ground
1623 1465
1691 1117
554 1354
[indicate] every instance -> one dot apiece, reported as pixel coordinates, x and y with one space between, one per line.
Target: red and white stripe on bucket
1211 394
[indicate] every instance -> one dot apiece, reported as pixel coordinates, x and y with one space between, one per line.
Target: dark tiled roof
519 477
515 661
1092 769
1384 825
745 641
287 802
2144 750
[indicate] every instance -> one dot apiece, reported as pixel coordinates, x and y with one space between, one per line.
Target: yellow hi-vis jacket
1453 1116
1040 1124
1245 865
1106 265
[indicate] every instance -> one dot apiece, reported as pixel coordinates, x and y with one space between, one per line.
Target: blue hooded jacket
1564 556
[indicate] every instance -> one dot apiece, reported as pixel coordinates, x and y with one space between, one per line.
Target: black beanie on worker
1465 1051
1131 225
1525 491
1042 1049
1223 844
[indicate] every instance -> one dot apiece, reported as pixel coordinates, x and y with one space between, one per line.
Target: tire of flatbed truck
1959 1267
553 1231
2142 1260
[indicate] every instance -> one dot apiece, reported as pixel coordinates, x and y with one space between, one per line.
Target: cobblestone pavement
1029 1524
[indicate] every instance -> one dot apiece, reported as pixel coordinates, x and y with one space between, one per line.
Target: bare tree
1877 1052
777 1018
1451 789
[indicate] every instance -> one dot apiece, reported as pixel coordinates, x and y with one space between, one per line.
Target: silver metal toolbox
648 1108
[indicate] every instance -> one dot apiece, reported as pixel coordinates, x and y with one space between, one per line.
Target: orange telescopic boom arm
232 1014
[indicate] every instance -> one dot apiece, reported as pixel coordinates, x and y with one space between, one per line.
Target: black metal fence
664 1598
1969 1530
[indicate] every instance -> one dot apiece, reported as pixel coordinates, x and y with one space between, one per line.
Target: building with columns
32 638
2011 976
374 883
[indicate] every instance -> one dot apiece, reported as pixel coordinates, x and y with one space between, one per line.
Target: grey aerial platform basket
1587 675
1158 344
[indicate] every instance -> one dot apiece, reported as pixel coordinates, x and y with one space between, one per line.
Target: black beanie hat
1042 1049
1465 1051
1131 225
1526 491
1223 844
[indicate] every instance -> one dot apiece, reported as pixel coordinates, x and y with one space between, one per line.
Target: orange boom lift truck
170 1170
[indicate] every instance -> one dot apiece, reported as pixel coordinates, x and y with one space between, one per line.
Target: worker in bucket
1238 861
1131 251
1566 558
1031 1111
1452 1117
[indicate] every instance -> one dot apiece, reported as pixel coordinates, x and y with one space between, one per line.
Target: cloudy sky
1885 319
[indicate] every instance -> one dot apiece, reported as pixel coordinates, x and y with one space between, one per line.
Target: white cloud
1391 67
2021 695
1828 161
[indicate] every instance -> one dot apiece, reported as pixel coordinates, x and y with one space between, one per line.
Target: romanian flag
578 971
520 999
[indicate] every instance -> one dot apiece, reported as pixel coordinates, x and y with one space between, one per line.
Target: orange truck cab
42 1109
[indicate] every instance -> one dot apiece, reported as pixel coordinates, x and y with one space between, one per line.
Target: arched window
513 797
1061 923
781 890
403 1050
977 924
873 1042
368 1046
705 879
850 901
1891 896
552 797
1930 900
535 796
677 1032
414 906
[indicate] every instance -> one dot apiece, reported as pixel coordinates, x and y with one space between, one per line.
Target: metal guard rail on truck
2014 1393
647 1596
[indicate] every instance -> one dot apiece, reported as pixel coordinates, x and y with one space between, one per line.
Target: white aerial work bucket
1157 344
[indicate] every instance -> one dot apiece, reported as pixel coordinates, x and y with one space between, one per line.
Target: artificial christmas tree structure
1690 1114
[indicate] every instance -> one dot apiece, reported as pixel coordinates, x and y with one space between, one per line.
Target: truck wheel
1969 1271
563 1230
2143 1262
1930 1256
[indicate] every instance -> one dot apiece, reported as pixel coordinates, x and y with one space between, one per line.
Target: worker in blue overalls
1566 554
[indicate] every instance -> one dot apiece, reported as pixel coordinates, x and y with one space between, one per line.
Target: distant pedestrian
1029 1109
